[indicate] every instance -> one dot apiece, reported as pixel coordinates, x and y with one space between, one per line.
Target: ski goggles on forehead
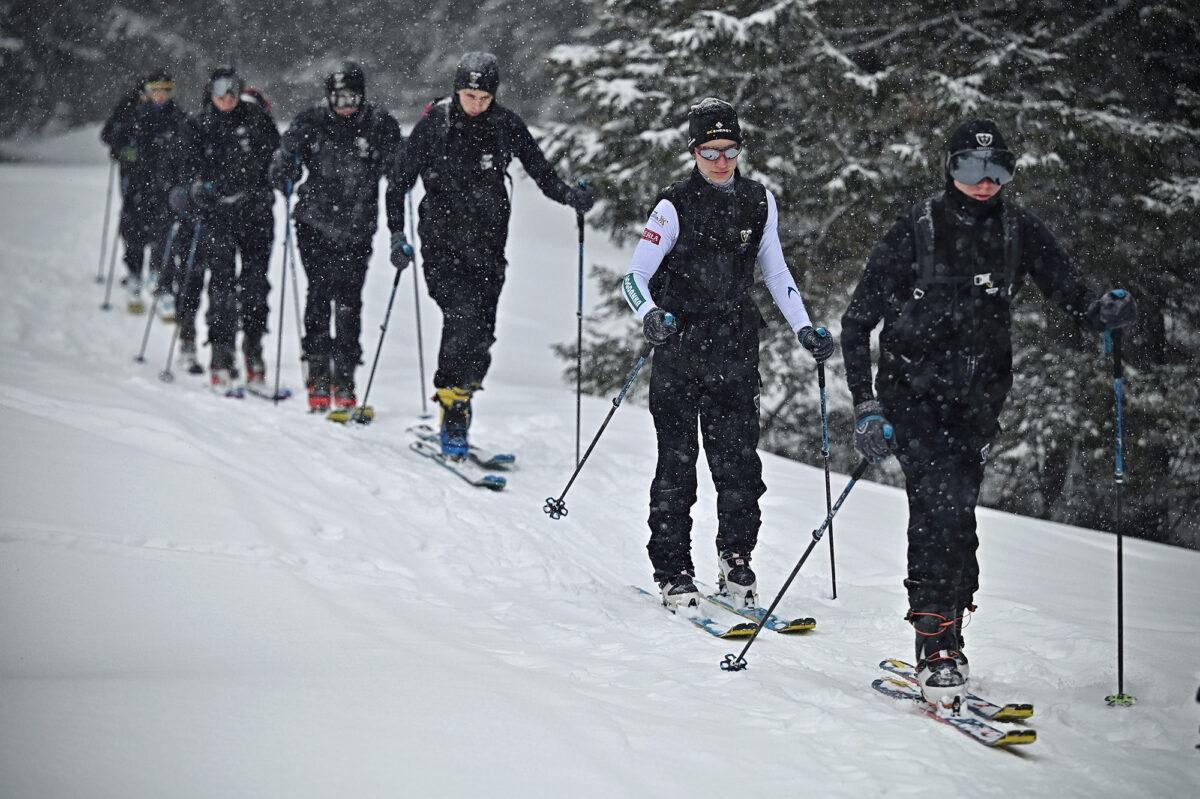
224 86
159 86
712 154
973 166
344 98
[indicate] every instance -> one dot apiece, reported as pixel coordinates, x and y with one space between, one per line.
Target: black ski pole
112 268
166 375
579 336
825 457
412 240
296 302
364 414
112 171
162 268
738 663
557 508
283 270
1112 345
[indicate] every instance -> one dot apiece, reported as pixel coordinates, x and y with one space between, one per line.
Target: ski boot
318 385
737 581
256 367
223 375
135 304
679 592
941 683
343 390
188 356
456 418
166 306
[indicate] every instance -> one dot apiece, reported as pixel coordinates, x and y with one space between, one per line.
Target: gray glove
402 251
873 435
658 326
818 342
1112 311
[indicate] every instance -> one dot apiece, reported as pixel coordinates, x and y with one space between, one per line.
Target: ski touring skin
706 623
976 704
899 688
480 456
757 615
461 469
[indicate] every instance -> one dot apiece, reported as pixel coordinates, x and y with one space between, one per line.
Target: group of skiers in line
942 281
198 190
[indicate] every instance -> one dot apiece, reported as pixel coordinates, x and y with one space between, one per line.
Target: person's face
474 102
226 102
721 170
982 191
159 96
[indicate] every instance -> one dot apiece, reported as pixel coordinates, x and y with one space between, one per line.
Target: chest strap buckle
918 293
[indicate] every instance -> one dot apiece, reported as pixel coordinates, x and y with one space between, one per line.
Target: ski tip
744 630
1016 738
493 481
1014 713
341 416
794 626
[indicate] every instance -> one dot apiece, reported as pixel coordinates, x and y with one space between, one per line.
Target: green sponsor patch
632 294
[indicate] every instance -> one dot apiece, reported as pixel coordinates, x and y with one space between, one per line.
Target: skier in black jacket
461 149
943 281
345 144
140 136
689 283
225 152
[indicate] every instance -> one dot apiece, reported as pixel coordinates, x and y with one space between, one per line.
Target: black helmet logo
984 139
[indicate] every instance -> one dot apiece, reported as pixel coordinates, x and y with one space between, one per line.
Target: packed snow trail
205 597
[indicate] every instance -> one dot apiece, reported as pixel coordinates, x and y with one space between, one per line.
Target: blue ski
706 623
481 456
974 703
490 481
774 623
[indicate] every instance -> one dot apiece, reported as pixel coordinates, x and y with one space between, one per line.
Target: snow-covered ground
202 597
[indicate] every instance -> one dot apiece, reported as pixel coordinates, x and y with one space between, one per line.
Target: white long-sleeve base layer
659 237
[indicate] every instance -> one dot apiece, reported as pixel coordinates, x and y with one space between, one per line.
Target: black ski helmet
478 71
981 141
712 119
348 77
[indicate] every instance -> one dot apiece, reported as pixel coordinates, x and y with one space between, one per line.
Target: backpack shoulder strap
921 217
1012 249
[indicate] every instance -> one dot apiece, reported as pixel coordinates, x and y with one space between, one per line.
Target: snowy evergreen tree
845 111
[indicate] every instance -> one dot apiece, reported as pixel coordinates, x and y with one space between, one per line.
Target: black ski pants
254 234
467 289
216 252
708 373
145 220
942 447
336 272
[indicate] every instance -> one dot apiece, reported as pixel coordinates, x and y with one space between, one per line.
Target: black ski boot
680 592
941 683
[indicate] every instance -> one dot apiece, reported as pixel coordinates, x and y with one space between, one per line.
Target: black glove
178 200
872 432
658 326
1113 310
581 199
203 193
402 251
817 341
280 180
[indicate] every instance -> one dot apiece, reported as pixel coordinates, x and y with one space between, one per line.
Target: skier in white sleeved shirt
689 282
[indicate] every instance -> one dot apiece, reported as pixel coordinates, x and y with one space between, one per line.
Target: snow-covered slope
203 597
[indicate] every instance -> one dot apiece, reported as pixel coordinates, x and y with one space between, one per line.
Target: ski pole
1112 345
287 241
112 171
162 267
731 663
579 335
291 248
825 457
412 230
166 375
364 414
556 508
112 267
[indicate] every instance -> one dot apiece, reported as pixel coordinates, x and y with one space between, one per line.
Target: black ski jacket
232 152
462 162
947 333
345 158
710 269
143 137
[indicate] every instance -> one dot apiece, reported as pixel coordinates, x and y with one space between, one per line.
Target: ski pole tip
555 508
733 663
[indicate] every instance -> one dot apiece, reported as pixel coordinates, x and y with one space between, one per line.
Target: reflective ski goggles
224 86
344 98
159 86
712 154
973 166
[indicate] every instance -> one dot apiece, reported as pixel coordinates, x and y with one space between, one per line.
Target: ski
232 392
774 623
491 481
706 623
976 704
986 734
262 392
481 456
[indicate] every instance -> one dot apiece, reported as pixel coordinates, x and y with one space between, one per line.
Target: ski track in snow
207 597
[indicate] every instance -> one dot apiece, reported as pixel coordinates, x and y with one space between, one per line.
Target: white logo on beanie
984 139
474 79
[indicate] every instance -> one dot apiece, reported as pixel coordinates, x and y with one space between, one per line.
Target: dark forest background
846 105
